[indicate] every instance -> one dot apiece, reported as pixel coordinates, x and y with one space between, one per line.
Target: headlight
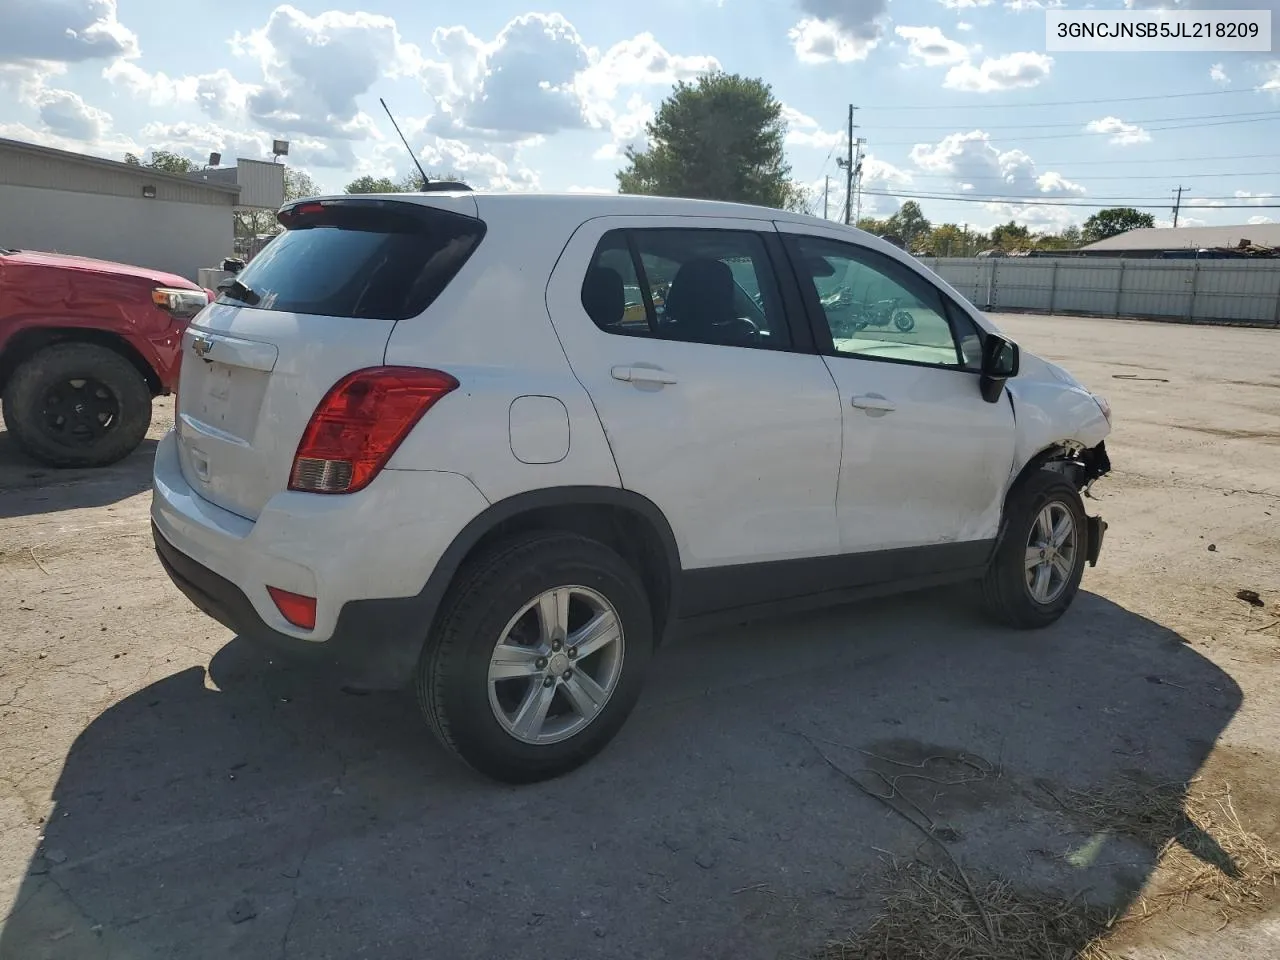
1104 405
178 302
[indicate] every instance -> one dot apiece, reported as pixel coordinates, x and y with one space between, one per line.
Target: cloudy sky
956 98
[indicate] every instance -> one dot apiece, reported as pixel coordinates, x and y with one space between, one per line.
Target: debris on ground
1204 855
1250 597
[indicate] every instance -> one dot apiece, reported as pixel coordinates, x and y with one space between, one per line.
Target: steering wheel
742 329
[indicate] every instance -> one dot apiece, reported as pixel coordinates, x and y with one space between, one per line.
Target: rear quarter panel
492 331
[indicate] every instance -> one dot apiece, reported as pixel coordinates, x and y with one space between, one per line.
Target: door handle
874 404
642 375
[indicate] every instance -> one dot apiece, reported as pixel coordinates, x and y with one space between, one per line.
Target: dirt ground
166 793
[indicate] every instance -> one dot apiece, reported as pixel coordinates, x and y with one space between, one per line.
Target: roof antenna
412 155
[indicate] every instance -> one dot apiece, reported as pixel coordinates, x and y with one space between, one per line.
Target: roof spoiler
440 186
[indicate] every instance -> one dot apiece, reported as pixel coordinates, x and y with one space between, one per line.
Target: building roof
1191 238
145 173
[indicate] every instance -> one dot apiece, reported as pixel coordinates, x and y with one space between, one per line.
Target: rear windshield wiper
236 289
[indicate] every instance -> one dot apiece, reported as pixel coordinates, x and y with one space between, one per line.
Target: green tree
874 226
910 224
946 240
1011 236
1113 221
368 184
165 161
720 138
1066 239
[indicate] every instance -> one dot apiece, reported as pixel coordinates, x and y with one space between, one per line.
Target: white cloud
592 190
63 31
963 26
804 131
1122 134
1271 76
628 129
931 47
1218 75
975 165
481 168
538 77
1018 6
1256 199
1256 220
315 67
965 4
1000 73
67 115
838 30
112 146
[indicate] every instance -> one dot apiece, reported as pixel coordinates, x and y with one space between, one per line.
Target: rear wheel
538 658
77 405
1037 568
904 321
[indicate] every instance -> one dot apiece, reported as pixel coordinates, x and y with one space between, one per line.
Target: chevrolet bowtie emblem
201 346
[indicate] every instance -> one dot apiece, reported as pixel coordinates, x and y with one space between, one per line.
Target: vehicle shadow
257 813
29 488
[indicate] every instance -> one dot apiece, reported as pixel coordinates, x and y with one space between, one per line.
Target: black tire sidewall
69 361
472 628
1043 489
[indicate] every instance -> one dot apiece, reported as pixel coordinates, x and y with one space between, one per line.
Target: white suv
499 446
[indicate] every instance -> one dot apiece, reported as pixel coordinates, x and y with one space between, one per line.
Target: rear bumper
375 644
366 558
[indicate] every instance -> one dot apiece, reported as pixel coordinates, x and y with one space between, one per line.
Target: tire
454 687
82 439
904 321
1007 591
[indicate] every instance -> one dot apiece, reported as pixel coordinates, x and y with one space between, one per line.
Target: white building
66 202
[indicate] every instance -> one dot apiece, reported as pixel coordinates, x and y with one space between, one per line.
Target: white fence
1206 291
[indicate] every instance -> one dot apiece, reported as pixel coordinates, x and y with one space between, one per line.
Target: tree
368 184
165 161
946 240
909 224
1113 221
1011 236
298 184
719 138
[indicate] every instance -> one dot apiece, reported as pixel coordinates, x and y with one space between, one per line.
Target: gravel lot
165 793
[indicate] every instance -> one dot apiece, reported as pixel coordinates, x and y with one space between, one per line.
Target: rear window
371 259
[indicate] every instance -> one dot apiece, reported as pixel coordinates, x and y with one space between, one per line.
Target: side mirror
999 363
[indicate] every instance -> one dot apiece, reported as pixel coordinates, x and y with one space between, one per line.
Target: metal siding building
66 202
1152 241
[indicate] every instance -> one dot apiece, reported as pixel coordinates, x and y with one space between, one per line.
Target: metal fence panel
1221 291
1237 290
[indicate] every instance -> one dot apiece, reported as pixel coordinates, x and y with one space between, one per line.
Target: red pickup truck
84 347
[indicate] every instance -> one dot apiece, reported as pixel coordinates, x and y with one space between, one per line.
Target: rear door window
372 259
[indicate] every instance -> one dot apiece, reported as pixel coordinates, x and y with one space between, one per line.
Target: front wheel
77 405
538 657
904 321
1037 567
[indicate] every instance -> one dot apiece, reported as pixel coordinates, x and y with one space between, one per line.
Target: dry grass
1202 849
1204 858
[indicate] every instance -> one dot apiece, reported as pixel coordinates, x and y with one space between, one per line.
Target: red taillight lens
360 423
297 609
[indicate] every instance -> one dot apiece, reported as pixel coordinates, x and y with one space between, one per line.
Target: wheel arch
625 521
1079 464
31 340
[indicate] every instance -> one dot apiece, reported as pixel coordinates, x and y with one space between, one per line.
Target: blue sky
956 97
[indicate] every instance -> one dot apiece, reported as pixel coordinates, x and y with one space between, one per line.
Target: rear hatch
319 302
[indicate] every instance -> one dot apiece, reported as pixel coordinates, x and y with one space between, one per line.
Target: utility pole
826 192
847 163
1177 205
857 183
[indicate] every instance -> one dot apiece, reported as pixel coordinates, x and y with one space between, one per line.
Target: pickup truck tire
77 405
493 623
1033 578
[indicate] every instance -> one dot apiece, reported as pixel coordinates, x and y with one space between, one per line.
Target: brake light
359 424
294 607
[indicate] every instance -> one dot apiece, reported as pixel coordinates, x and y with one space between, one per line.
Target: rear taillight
360 423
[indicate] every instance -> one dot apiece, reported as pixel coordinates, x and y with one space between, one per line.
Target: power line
942 195
1031 202
1148 162
1099 133
1060 103
1076 123
1119 176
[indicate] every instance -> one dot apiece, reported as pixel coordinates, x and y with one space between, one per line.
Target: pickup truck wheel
1037 567
77 405
538 657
